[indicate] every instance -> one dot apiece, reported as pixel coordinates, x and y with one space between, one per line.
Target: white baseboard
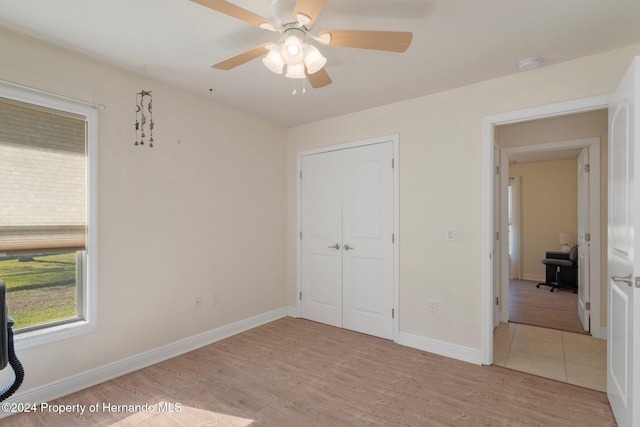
534 277
603 333
65 386
454 351
292 312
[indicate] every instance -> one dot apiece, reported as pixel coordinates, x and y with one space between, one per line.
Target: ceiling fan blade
319 78
234 11
390 41
309 8
242 58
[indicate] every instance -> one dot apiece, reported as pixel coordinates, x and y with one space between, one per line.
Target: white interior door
368 240
584 244
623 360
321 245
347 248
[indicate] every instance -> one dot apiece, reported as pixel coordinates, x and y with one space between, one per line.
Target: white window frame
89 281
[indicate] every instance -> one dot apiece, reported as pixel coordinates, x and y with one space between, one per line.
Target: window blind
43 179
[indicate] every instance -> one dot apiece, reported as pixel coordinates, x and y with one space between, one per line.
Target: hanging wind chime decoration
143 113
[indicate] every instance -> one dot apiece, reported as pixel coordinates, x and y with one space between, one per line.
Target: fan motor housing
282 11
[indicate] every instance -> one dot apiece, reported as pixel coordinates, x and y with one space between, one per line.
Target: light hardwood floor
294 372
539 307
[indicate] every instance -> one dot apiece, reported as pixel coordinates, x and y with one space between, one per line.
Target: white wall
549 207
441 183
203 211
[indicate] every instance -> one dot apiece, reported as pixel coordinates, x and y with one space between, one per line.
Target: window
47 218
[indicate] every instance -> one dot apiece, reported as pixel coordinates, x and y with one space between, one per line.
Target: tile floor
563 356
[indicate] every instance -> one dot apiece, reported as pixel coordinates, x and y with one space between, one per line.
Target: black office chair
560 265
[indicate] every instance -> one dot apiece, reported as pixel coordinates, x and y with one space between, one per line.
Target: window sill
52 334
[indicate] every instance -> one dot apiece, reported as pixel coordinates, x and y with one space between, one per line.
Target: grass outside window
41 288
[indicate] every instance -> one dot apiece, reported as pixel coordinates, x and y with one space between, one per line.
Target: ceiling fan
293 20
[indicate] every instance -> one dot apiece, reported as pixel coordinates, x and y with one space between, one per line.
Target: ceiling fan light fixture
292 52
274 61
313 59
296 71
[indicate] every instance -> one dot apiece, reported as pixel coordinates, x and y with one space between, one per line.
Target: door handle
347 247
336 246
626 279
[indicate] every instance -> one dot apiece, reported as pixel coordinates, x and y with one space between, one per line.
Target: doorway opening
550 190
558 189
494 293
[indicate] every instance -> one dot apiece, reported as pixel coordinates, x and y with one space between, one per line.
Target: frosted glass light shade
273 60
300 57
292 52
296 71
313 59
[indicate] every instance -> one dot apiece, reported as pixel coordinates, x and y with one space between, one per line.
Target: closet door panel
367 230
321 226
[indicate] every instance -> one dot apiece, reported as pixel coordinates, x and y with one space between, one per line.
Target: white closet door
367 232
321 222
347 230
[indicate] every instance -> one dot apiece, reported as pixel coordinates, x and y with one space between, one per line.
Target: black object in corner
7 351
562 270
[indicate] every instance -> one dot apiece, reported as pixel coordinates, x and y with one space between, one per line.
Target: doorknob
336 246
626 279
347 247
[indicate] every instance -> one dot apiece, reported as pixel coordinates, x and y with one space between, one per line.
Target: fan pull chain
304 87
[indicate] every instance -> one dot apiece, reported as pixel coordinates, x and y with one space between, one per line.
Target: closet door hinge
497 170
587 168
497 300
587 237
300 174
300 295
393 238
393 163
393 313
301 235
588 306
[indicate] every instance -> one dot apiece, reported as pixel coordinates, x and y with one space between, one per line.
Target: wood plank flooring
539 307
294 372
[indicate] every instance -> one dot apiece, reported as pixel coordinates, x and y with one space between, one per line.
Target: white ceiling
456 43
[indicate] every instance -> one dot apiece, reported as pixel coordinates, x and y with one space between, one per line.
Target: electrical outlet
453 235
433 305
198 303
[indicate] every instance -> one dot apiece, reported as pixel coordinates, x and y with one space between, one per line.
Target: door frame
488 176
394 140
593 144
